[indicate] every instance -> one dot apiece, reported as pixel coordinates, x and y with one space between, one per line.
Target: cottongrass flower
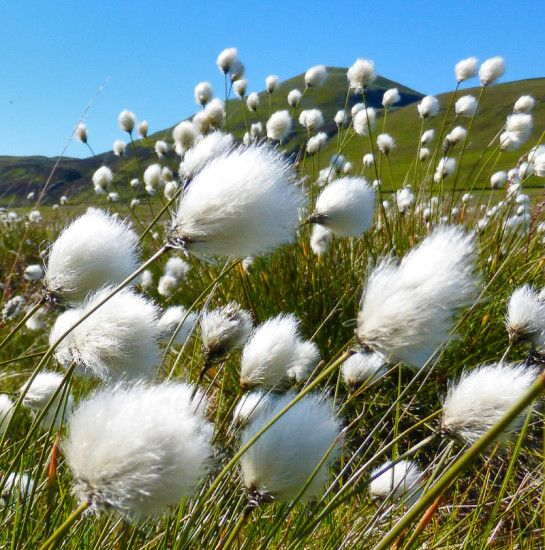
361 367
403 481
466 69
482 396
356 108
211 118
404 199
282 460
525 316
385 143
203 93
466 106
251 404
176 319
33 272
368 160
177 267
311 119
491 70
320 239
271 83
256 129
6 412
428 107
445 167
279 126
521 124
143 128
36 321
39 392
236 72
13 308
340 118
390 97
81 132
167 285
127 121
424 154
456 135
146 280
306 359
252 101
171 187
223 330
63 200
95 249
226 59
135 183
119 147
118 341
315 76
364 121
427 137
240 87
35 216
361 74
102 177
294 96
211 146
16 487
243 203
184 136
407 309
138 449
161 148
316 143
345 206
539 165
524 104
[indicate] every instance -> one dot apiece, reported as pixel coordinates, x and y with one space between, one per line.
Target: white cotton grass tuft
137 449
94 250
361 74
456 135
203 93
174 317
167 285
120 340
211 146
524 104
404 199
143 128
33 272
119 147
240 86
243 203
226 59
466 69
491 70
403 481
424 153
211 118
271 83
368 160
427 137
252 101
315 76
345 206
36 321
102 177
12 308
385 143
249 405
161 148
525 315
279 126
81 132
364 120
466 106
223 330
391 97
184 136
38 393
294 97
407 310
482 396
316 143
340 117
307 357
6 412
361 367
16 487
428 107
127 121
445 167
311 119
282 460
498 179
320 239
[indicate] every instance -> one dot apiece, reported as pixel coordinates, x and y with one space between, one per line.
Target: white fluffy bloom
466 106
172 318
316 143
345 206
363 120
81 132
456 135
294 96
203 93
226 59
177 267
6 412
282 460
428 107
36 321
31 196
244 203
167 285
152 176
184 136
127 120
404 199
39 391
466 69
279 126
498 180
482 396
539 165
402 480
146 279
119 147
119 340
143 128
17 487
252 101
368 160
94 250
361 74
340 117
35 216
520 124
428 136
316 76
407 310
135 183
161 148
213 145
356 108
114 196
320 239
240 87
347 168
525 315
307 356
102 177
445 167
391 97
249 405
524 104
33 272
63 200
223 330
491 70
311 119
361 367
256 129
271 83
385 143
510 141
211 117
424 154
138 449
13 308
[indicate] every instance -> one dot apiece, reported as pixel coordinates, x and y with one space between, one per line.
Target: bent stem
70 520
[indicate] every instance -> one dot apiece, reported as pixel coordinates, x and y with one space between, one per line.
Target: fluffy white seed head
95 249
316 143
428 136
368 160
240 86
271 83
525 315
236 72
17 487
510 141
102 177
143 128
363 120
407 310
445 167
498 180
167 285
361 367
361 74
456 135
226 59
119 147
161 148
391 97
252 101
279 126
521 124
524 104
403 481
243 203
466 106
340 117
118 341
33 272
138 449
127 121
211 146
307 356
294 96
13 308
315 76
174 317
345 206
177 267
385 143
152 176
184 136
424 154
428 107
203 93
320 239
466 69
36 321
282 460
81 132
211 117
251 404
491 70
6 412
539 165
404 199
311 119
482 396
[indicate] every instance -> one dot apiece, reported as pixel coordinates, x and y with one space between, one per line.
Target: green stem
70 520
18 326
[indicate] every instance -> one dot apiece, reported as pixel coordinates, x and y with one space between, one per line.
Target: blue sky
150 54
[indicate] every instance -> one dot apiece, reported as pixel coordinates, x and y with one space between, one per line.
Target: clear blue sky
56 54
